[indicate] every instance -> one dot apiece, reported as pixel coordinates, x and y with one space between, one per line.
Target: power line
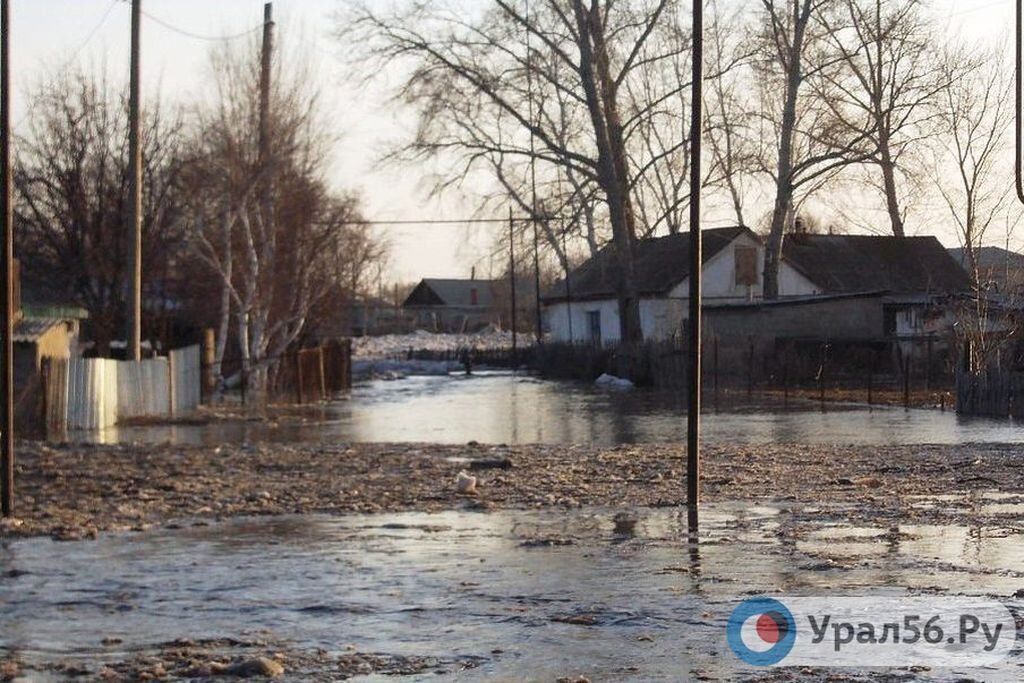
94 31
199 36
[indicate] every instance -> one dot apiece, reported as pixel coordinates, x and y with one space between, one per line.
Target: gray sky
48 33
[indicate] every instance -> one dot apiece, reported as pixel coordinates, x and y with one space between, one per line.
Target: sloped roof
452 292
863 263
29 330
661 264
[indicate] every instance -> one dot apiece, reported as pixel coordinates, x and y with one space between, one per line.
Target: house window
474 297
594 325
746 266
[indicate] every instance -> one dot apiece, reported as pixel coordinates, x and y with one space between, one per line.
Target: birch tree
276 257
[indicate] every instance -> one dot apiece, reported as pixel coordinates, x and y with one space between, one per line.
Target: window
474 297
746 266
594 325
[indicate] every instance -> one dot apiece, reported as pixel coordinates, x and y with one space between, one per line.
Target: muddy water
500 408
491 588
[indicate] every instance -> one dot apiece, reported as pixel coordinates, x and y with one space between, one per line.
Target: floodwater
503 408
491 589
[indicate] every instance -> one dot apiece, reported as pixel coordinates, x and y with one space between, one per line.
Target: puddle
502 408
530 594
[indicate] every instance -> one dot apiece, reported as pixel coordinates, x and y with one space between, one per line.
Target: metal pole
7 281
533 181
1020 102
696 261
568 286
135 154
512 282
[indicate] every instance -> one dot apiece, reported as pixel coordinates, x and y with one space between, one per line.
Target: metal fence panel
96 393
186 372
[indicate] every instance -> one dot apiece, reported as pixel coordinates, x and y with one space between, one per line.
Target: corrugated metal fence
95 393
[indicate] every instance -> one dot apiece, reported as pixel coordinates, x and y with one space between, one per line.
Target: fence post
871 375
906 380
347 364
821 376
172 388
209 385
44 378
785 377
320 366
716 371
928 366
750 370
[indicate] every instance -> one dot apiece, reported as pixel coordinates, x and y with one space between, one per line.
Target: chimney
472 273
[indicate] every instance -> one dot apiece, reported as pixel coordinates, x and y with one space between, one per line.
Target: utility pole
266 162
7 284
135 154
512 281
696 262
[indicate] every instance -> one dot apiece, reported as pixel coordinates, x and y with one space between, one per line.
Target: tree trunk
784 180
600 90
889 182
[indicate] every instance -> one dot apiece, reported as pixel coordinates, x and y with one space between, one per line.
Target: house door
594 325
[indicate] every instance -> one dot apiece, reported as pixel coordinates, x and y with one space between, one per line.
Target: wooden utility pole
266 161
696 259
135 184
7 284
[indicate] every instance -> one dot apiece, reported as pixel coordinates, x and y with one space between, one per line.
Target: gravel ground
74 492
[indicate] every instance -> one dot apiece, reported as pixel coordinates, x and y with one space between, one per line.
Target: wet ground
502 408
511 595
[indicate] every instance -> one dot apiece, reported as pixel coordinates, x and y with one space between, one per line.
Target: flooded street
261 547
502 408
511 595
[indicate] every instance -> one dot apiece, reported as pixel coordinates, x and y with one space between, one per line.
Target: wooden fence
96 393
993 392
315 374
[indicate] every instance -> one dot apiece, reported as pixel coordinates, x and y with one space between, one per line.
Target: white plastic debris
465 483
613 382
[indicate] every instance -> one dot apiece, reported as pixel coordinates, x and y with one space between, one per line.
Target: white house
583 308
915 274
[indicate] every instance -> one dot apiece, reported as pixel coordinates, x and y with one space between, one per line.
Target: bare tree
276 257
72 198
887 74
601 80
977 113
810 145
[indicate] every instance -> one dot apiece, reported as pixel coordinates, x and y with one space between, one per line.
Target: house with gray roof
900 281
455 305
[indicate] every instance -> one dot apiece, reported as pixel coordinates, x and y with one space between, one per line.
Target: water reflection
500 408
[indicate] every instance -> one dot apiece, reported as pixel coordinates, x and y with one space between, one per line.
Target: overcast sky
46 34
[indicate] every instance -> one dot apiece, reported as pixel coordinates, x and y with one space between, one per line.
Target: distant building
451 305
585 308
866 286
1000 271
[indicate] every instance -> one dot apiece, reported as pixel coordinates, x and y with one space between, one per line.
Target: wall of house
557 321
847 318
660 318
719 281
